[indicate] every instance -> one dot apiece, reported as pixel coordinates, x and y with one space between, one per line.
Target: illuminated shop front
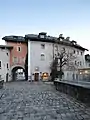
84 74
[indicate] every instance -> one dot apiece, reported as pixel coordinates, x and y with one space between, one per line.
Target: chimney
73 42
42 35
61 35
67 38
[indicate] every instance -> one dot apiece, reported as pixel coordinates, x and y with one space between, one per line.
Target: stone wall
79 91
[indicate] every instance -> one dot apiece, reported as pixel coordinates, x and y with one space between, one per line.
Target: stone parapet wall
80 91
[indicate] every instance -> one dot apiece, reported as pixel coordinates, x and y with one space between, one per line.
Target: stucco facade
36 48
35 59
17 54
5 71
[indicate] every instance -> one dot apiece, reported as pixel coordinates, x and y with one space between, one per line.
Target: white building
5 71
42 49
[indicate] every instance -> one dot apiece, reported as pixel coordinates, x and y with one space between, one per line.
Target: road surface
39 101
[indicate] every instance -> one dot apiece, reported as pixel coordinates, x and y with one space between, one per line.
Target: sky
68 17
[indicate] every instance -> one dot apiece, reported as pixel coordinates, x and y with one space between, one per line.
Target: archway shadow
16 75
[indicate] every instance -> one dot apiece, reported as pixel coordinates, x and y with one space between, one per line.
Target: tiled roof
14 38
34 37
6 46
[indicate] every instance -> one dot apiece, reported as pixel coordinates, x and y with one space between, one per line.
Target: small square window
80 63
89 65
43 46
63 48
75 62
42 36
78 52
23 59
19 48
56 48
15 60
74 51
81 53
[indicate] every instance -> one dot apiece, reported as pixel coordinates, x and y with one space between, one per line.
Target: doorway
36 76
7 77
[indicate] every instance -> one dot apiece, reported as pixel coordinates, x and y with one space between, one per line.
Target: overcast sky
69 17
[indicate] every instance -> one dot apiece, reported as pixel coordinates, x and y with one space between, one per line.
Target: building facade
84 72
42 50
5 71
17 54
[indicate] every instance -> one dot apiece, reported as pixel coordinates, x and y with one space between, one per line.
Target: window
7 54
89 65
55 55
42 57
78 52
81 53
0 64
7 65
56 48
42 36
15 59
43 46
75 62
71 54
74 51
63 48
80 63
19 48
23 59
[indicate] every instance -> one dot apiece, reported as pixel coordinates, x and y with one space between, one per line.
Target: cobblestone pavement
39 101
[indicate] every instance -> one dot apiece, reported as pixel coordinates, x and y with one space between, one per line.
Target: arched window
42 56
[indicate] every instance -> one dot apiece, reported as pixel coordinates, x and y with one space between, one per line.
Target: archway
18 73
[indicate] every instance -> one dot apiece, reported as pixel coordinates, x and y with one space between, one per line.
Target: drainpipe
53 51
29 59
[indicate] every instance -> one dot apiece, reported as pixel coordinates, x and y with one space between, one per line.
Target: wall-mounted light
80 73
86 71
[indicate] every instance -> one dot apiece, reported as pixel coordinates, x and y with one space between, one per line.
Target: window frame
0 64
7 65
18 48
42 46
42 55
14 60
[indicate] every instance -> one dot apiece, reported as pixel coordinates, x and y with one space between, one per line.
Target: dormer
67 38
61 37
15 37
73 42
42 35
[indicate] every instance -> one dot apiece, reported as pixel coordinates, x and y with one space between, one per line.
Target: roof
6 46
34 37
14 38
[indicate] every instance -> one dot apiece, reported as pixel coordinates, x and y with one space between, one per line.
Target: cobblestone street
39 101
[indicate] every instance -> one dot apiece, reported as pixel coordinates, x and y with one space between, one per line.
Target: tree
26 67
63 60
53 68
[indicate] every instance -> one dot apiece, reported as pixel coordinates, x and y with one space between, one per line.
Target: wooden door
36 76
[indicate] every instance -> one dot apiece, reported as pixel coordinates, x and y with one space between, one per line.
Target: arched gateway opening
18 73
